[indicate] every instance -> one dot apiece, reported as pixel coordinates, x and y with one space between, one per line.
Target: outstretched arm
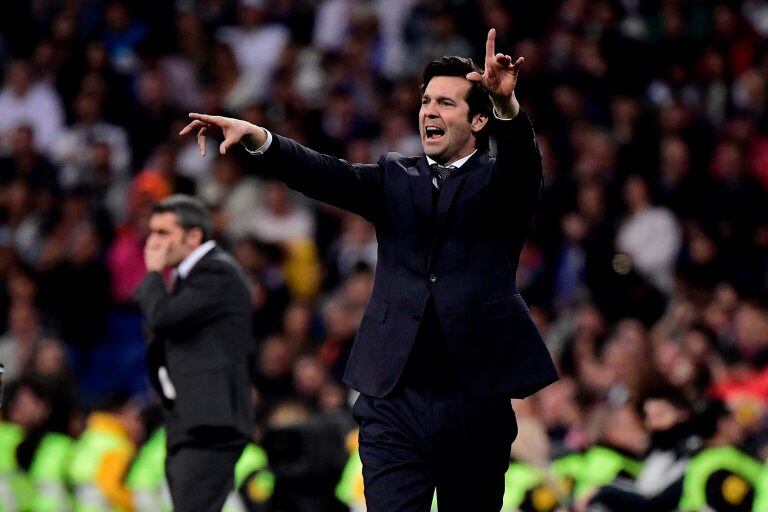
348 186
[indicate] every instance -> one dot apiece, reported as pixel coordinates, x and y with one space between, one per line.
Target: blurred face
635 194
661 415
164 228
19 78
623 429
444 124
130 417
27 409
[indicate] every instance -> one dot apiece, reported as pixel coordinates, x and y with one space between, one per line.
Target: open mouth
433 132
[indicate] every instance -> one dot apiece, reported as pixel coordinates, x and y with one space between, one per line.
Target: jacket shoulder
393 161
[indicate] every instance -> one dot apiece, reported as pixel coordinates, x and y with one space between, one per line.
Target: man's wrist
254 139
505 108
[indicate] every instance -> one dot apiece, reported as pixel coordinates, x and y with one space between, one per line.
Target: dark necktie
440 172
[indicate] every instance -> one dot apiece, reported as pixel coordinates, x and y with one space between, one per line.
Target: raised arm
518 161
352 187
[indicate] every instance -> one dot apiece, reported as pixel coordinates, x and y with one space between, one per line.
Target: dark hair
190 212
477 98
665 391
114 402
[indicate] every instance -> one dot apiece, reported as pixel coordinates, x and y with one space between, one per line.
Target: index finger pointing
206 118
490 44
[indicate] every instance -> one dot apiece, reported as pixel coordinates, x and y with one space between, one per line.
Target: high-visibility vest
349 490
761 492
253 480
745 472
146 477
89 451
147 481
48 474
14 488
569 468
601 466
527 487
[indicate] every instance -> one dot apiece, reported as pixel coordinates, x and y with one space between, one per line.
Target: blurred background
646 269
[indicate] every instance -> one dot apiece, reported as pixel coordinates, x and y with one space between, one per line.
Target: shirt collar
458 163
185 267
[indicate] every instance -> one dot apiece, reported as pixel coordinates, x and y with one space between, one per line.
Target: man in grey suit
199 351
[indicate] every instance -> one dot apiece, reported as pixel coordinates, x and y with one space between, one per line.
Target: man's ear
195 236
478 122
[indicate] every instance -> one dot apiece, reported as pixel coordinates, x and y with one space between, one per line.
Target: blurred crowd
646 269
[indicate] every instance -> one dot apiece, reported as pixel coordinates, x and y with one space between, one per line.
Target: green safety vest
349 490
519 479
746 474
569 468
48 473
252 475
14 491
601 465
89 450
761 492
525 482
146 477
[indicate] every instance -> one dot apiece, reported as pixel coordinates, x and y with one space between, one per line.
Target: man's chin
433 152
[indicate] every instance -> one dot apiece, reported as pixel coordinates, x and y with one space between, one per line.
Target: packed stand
646 269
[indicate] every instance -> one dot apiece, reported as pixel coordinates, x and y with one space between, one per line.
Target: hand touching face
168 243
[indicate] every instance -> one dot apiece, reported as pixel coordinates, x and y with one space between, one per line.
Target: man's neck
455 162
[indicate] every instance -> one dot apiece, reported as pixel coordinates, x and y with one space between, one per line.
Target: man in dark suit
446 339
199 352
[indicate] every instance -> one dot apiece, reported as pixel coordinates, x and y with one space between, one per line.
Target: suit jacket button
432 278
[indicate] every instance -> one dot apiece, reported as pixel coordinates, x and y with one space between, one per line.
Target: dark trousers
414 442
202 474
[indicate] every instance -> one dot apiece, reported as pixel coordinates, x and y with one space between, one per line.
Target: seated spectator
649 235
71 151
25 101
20 342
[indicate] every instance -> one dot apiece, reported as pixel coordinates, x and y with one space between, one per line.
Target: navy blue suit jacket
484 210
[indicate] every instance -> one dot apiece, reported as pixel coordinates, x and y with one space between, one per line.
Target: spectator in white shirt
281 220
649 235
24 101
256 43
72 150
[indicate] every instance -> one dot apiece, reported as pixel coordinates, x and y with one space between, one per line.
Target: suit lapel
207 256
421 189
420 180
451 186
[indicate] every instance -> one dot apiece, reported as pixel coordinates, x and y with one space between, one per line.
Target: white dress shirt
186 265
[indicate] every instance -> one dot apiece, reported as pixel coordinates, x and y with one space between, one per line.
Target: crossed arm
197 303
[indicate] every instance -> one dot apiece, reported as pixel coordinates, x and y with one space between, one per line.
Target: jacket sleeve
518 171
198 301
352 187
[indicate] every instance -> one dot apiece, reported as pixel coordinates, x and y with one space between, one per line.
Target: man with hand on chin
198 356
446 339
